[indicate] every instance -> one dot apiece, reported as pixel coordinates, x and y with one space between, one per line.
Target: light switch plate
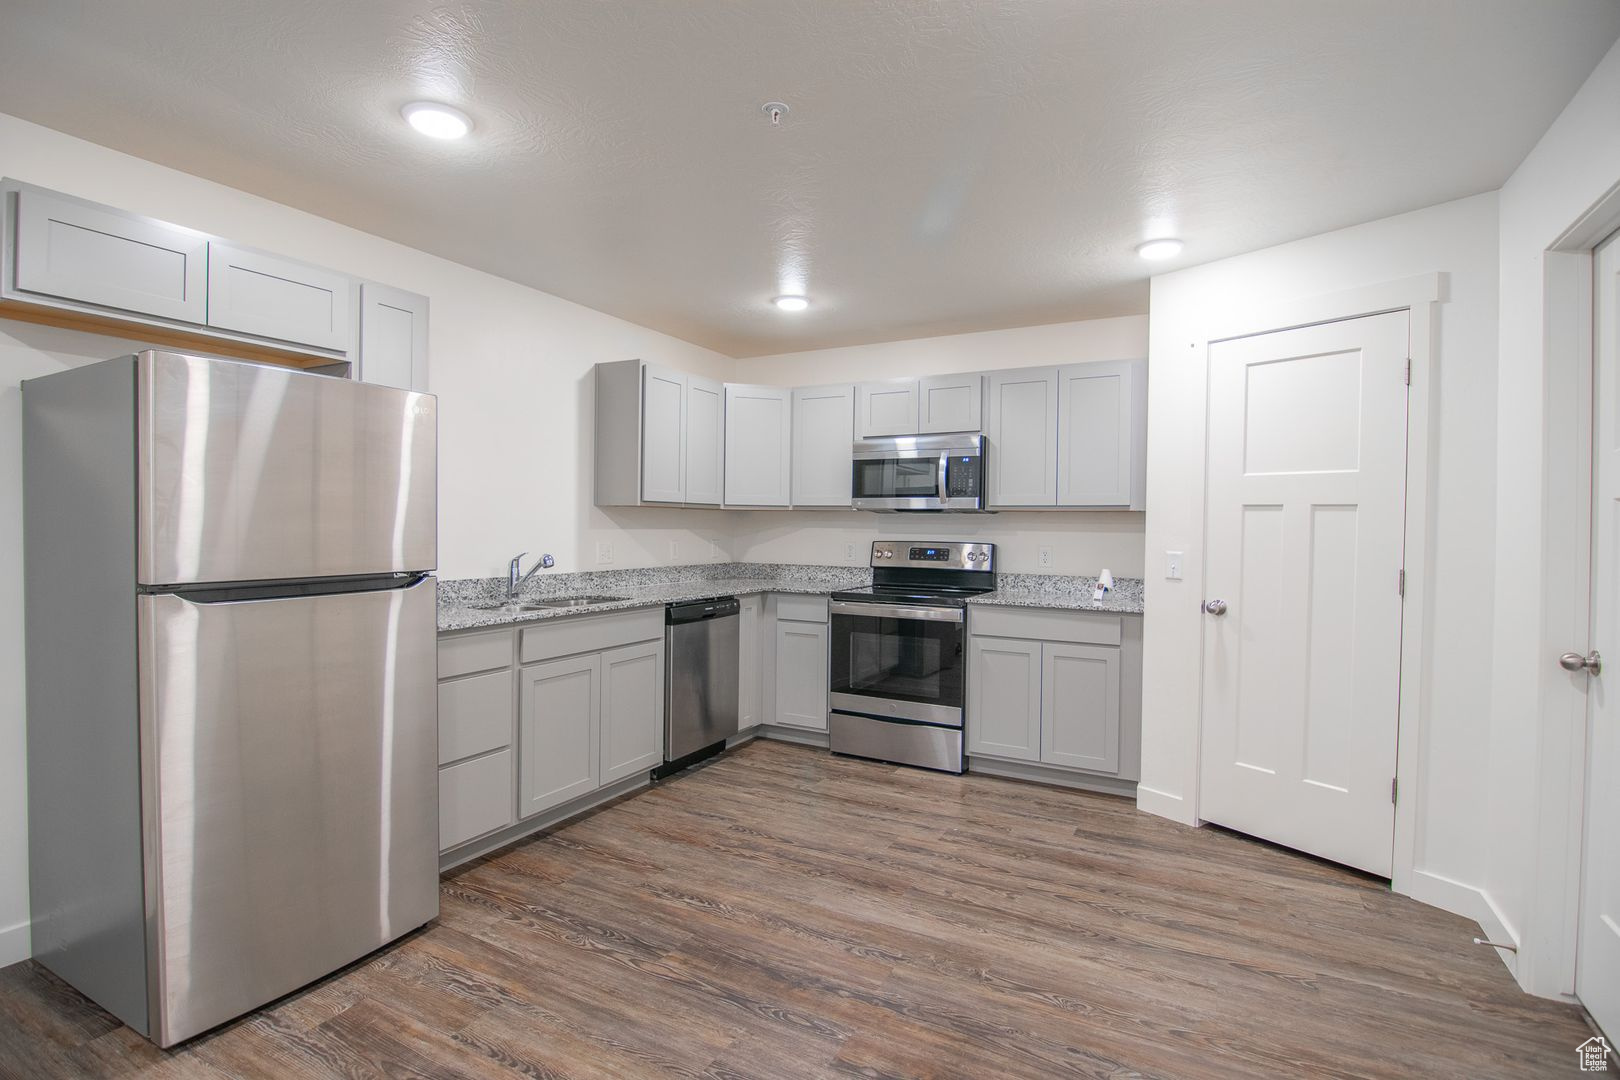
1172 565
1046 555
604 551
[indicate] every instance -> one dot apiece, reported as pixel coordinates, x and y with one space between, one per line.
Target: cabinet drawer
97 255
801 608
1042 624
591 633
475 797
475 715
466 654
272 297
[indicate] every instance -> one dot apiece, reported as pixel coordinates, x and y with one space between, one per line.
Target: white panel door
1307 478
1597 958
705 440
663 435
759 445
823 433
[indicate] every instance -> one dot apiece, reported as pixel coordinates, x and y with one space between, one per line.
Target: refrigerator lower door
249 472
289 752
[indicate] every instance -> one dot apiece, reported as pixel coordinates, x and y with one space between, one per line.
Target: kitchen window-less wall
1081 542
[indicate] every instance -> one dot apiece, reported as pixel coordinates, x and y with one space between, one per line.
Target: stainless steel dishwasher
700 680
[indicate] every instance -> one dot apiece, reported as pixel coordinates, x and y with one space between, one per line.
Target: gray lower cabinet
749 713
632 710
251 292
73 250
393 338
559 731
475 798
1004 698
801 674
476 701
1056 688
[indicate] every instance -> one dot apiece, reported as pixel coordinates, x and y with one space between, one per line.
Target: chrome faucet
514 582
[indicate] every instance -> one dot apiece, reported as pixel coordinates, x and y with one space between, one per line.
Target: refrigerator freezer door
249 472
289 760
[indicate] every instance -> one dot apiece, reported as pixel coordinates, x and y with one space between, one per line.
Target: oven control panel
945 556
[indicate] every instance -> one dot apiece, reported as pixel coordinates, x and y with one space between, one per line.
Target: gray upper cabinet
663 435
77 251
759 445
393 337
1102 434
705 441
268 296
823 432
886 408
947 403
1022 431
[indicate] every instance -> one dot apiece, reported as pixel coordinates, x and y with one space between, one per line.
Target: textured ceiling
948 165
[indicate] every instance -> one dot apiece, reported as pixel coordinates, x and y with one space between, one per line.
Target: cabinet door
823 433
1004 698
559 732
1080 706
759 445
886 408
271 297
475 797
100 256
801 675
705 440
1022 433
632 710
393 337
475 715
950 403
1095 410
663 435
748 657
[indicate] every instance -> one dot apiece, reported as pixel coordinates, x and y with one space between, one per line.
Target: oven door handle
894 611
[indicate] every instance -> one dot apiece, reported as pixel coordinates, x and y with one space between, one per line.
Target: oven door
898 480
894 661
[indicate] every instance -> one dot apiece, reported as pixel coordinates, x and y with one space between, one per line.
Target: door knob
1216 607
1574 661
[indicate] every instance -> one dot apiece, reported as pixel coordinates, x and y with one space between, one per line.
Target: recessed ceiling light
437 121
1166 248
791 303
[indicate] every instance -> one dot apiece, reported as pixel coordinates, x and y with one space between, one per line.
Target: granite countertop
469 603
1064 593
474 603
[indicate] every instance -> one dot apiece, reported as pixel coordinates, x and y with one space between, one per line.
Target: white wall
1538 712
511 367
1460 239
1081 542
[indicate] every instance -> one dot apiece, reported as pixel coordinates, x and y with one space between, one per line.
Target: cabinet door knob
1574 661
1216 607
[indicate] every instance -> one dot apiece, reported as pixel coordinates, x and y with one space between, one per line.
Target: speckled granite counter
470 603
1063 593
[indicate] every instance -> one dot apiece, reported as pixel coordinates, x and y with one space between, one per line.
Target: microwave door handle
944 465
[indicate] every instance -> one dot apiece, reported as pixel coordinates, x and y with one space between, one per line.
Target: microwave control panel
962 479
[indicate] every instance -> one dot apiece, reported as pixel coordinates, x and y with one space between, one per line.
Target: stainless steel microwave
919 472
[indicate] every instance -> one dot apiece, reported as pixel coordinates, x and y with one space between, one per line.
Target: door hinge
1394 788
1408 371
1400 584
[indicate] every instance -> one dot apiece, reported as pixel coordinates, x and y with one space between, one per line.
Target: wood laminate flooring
785 913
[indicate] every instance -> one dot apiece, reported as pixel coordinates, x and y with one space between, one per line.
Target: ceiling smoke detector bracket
776 111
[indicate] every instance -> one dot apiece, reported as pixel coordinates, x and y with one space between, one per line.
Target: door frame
1545 963
1417 296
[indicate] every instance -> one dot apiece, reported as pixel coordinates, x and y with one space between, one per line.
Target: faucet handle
547 561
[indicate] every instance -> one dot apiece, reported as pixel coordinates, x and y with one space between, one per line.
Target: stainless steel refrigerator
232 714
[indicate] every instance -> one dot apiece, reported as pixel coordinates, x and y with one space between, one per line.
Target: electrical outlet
714 550
849 551
1172 565
604 552
1046 555
674 549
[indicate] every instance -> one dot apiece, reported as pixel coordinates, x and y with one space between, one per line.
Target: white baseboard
1163 804
1470 902
14 944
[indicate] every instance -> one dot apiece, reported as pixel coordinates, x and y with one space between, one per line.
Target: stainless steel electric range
899 653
